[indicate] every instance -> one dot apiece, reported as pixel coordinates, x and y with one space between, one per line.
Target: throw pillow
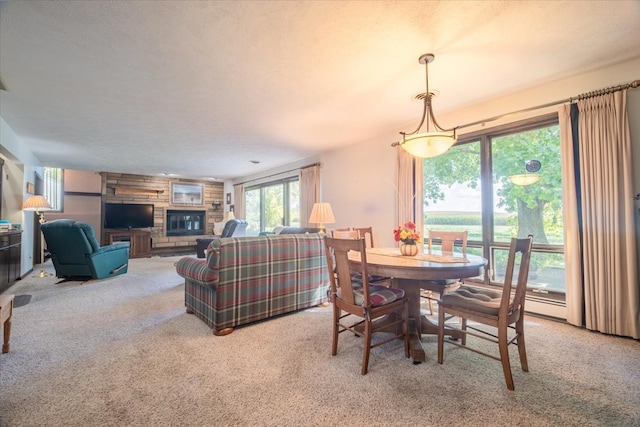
218 227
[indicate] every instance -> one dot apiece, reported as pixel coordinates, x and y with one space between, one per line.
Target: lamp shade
322 214
428 144
36 203
229 215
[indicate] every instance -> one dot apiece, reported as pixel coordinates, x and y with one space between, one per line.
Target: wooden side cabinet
10 255
139 241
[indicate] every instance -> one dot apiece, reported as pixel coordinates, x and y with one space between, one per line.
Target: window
53 179
468 188
272 204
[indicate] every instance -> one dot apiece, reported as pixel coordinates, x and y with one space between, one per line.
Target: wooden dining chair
503 311
344 234
363 302
448 240
367 234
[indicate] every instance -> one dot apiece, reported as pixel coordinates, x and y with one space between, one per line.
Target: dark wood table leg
423 326
418 323
412 291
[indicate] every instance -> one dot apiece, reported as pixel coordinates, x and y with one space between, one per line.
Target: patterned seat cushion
482 300
378 294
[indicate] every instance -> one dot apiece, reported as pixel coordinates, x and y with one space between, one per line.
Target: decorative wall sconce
216 205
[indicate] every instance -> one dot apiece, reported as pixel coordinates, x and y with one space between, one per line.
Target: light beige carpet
123 352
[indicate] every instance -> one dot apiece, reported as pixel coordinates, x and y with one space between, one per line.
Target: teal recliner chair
75 251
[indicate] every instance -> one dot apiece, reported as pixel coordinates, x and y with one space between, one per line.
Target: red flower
406 233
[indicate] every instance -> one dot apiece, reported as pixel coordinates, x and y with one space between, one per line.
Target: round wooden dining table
413 273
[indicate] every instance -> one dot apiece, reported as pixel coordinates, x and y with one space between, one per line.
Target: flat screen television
128 215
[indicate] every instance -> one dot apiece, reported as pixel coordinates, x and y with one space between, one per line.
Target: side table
6 310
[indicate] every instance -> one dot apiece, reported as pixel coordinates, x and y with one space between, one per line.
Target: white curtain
309 191
603 293
238 201
409 190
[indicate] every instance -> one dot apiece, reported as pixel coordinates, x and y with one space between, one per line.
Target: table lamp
38 204
321 214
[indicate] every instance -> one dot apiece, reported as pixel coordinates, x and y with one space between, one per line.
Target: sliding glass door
272 204
499 184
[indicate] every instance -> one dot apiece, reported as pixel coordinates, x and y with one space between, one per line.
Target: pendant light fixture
435 140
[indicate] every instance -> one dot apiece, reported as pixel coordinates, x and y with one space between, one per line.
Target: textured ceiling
199 89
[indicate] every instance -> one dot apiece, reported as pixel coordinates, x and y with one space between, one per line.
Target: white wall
22 165
360 183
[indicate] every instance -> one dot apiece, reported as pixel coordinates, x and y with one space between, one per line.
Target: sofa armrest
197 270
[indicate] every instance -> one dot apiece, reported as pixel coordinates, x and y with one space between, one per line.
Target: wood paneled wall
127 188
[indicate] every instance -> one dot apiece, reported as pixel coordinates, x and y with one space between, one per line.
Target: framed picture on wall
187 194
228 198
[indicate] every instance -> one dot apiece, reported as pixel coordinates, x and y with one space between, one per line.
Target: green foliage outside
265 206
534 209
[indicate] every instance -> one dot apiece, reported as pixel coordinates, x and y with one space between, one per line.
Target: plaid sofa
246 279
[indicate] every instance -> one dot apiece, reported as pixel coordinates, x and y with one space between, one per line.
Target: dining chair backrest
367 234
344 234
448 240
362 300
512 304
342 284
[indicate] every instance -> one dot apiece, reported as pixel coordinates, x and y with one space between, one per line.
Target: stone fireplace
185 223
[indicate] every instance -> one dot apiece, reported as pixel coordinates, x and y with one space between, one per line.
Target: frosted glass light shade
36 203
524 179
428 144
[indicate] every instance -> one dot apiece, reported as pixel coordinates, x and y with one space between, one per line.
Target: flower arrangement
406 234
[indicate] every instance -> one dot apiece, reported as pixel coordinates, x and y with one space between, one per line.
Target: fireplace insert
185 223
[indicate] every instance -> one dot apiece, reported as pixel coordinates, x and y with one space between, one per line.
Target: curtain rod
634 84
279 173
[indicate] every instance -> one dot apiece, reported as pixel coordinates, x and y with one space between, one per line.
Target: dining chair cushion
484 301
478 291
444 282
378 294
357 277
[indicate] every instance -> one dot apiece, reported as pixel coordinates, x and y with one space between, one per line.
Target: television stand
139 241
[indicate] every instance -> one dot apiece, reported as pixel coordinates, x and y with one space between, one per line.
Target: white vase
409 249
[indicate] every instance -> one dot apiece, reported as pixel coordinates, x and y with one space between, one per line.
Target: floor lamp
38 204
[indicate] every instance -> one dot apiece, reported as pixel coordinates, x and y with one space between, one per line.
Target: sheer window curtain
309 192
603 293
409 189
238 201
